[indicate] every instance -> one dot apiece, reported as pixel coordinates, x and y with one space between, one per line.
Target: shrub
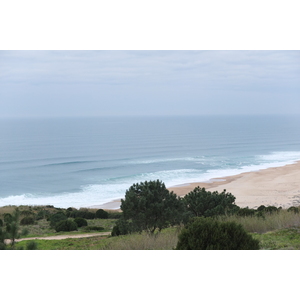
42 214
1 223
101 214
27 213
293 209
93 228
261 208
31 245
27 221
80 222
114 215
7 217
122 227
57 217
82 213
66 225
246 211
208 234
271 209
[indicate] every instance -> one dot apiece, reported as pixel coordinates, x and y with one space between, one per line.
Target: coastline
278 186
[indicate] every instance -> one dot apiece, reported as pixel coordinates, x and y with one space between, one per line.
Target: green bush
81 213
293 209
27 221
7 217
80 222
271 209
66 225
209 234
42 214
31 245
1 223
93 228
246 211
57 217
261 208
101 214
122 227
114 215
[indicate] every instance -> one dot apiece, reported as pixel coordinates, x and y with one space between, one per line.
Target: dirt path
61 237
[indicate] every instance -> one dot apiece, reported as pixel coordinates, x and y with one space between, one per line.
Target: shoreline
278 186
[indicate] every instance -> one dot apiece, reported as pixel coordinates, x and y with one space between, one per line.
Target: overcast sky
95 83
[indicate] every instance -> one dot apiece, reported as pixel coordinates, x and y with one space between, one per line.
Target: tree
80 222
101 214
149 206
66 225
208 234
57 217
200 202
12 226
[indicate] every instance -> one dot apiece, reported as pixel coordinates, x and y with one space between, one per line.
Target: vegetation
80 222
66 225
200 202
101 214
208 234
56 218
27 221
149 206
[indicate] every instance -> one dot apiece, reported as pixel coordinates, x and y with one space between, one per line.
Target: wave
280 156
115 187
69 163
162 160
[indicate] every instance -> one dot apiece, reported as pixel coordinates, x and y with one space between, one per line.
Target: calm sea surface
89 161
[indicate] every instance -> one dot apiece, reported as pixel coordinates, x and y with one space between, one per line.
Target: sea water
81 162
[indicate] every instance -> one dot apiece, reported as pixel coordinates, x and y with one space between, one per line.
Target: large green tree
200 202
150 205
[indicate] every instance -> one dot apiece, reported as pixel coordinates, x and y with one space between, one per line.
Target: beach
278 186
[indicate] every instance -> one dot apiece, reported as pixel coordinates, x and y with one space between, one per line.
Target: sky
167 82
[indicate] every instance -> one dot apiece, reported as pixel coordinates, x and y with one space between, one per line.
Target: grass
283 239
278 220
165 240
42 228
276 231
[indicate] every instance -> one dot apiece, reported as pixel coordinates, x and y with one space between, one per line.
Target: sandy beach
279 186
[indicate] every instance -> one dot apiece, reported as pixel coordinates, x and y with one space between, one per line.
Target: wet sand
279 186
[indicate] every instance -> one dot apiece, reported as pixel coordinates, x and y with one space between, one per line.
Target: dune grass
165 240
270 221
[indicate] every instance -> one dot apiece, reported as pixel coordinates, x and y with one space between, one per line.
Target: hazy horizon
42 84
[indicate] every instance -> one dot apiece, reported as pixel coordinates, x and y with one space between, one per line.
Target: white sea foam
161 160
115 188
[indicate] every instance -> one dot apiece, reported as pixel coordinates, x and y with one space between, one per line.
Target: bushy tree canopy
66 225
101 214
150 205
200 202
209 234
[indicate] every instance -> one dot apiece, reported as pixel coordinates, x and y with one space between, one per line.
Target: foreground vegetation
152 218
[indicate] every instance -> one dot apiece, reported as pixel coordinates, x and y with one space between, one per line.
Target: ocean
81 162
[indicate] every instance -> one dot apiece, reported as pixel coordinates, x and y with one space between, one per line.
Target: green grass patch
283 239
165 240
42 228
